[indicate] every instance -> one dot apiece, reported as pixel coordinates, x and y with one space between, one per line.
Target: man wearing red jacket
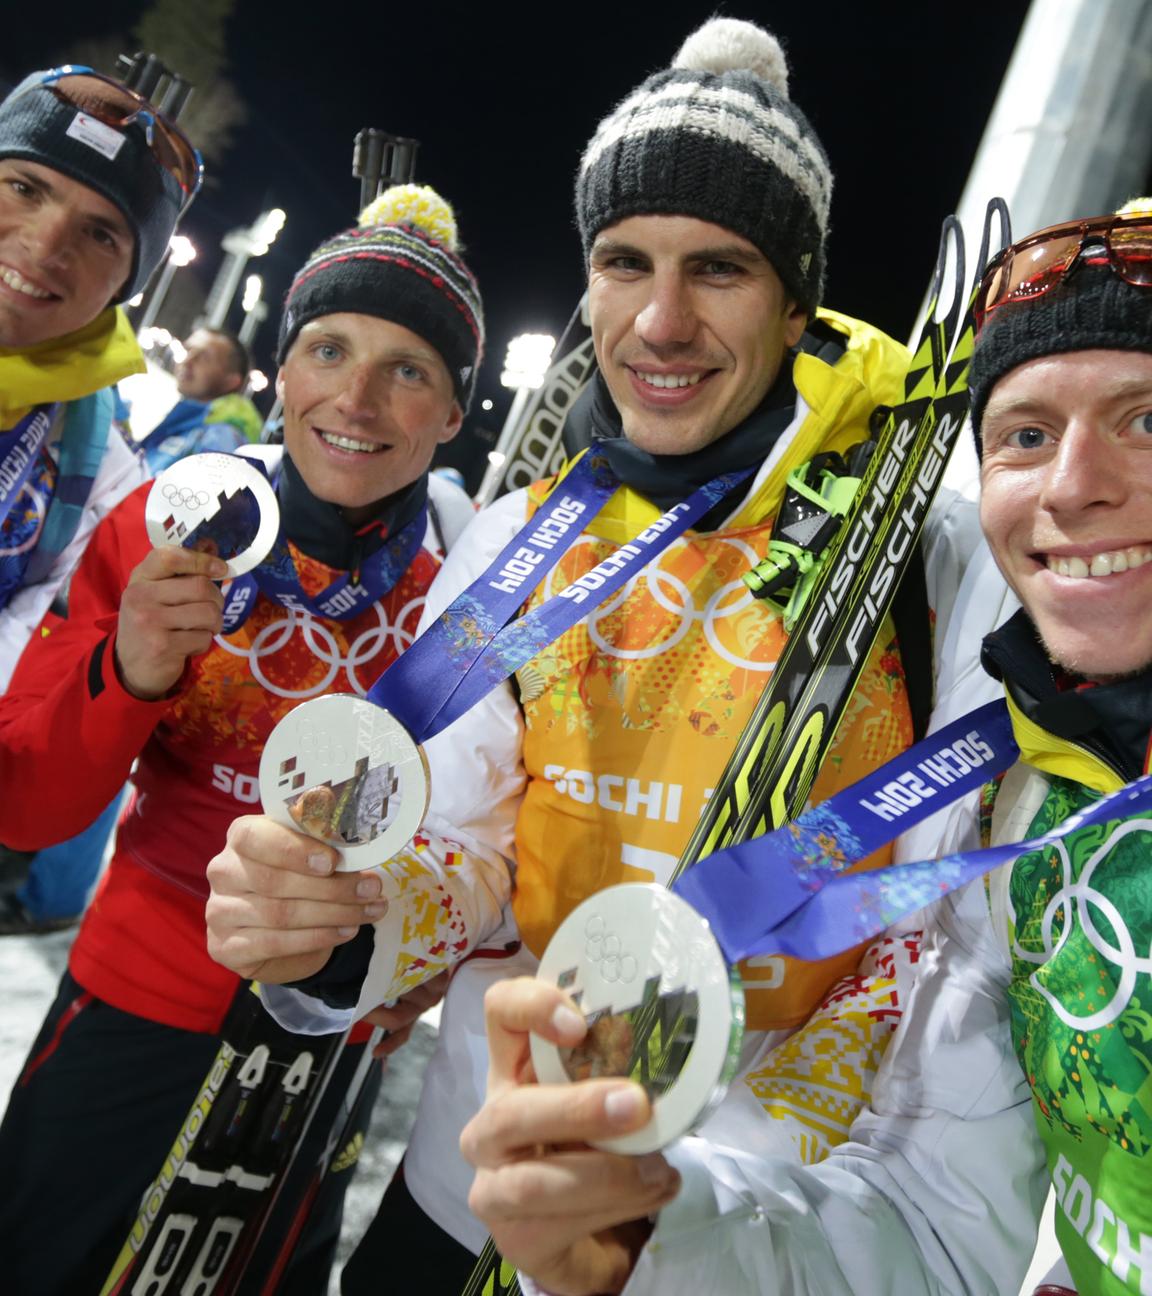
378 363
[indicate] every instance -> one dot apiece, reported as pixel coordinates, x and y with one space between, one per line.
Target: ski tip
996 213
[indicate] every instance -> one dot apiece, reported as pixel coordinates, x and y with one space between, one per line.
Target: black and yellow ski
199 1222
774 763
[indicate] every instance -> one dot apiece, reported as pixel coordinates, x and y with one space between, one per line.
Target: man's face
1066 504
65 254
690 323
208 369
366 403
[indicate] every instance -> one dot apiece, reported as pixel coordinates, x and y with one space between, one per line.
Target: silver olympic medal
220 504
346 771
662 1006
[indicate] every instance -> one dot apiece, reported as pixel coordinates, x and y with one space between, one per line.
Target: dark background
504 97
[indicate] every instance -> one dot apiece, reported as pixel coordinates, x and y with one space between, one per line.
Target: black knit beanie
716 137
400 263
115 162
1092 309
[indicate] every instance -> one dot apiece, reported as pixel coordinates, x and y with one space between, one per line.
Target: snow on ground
30 967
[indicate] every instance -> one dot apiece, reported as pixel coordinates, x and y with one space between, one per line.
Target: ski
201 1218
346 1132
774 763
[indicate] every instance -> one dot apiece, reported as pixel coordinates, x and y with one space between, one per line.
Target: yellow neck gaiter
66 368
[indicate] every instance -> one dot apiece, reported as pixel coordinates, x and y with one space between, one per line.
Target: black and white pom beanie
716 137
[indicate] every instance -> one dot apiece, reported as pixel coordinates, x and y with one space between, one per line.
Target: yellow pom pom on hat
400 262
1136 207
417 205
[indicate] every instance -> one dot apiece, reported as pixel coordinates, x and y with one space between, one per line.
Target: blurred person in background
212 412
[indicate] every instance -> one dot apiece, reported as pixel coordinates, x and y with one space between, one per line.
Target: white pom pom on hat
717 137
731 45
418 206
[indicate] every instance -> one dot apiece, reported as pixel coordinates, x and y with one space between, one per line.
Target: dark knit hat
716 137
400 263
1090 309
116 162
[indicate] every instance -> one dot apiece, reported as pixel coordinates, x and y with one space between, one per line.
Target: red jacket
69 734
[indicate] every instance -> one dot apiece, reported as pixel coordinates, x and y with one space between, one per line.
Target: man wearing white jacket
1023 1040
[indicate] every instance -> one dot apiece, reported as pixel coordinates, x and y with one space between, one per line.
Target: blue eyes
1026 438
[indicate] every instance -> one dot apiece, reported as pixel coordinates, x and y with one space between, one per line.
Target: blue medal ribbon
479 640
19 450
789 892
347 596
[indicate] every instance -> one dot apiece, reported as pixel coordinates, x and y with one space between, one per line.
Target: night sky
504 97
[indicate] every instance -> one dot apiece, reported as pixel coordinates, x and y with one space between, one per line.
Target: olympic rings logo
1074 904
361 660
185 496
671 593
605 948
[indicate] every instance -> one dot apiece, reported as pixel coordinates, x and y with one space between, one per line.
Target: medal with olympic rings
346 771
662 1006
220 504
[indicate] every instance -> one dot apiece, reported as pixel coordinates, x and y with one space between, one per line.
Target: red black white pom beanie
401 262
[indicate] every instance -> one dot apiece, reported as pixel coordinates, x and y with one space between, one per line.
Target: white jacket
941 1186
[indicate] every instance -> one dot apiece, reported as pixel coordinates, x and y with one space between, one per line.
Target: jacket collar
64 369
668 479
319 529
1111 722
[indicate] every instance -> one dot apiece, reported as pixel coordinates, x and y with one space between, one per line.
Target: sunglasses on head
1032 267
111 102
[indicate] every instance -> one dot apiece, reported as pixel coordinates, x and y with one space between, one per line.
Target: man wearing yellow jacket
703 204
92 182
1027 1038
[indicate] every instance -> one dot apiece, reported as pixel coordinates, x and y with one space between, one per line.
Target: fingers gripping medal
220 504
346 771
662 1006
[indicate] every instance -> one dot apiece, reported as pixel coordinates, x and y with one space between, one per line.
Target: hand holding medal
654 972
208 517
661 1004
346 771
219 504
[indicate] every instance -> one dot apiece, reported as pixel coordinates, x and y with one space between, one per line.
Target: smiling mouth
18 283
1110 563
350 443
662 381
